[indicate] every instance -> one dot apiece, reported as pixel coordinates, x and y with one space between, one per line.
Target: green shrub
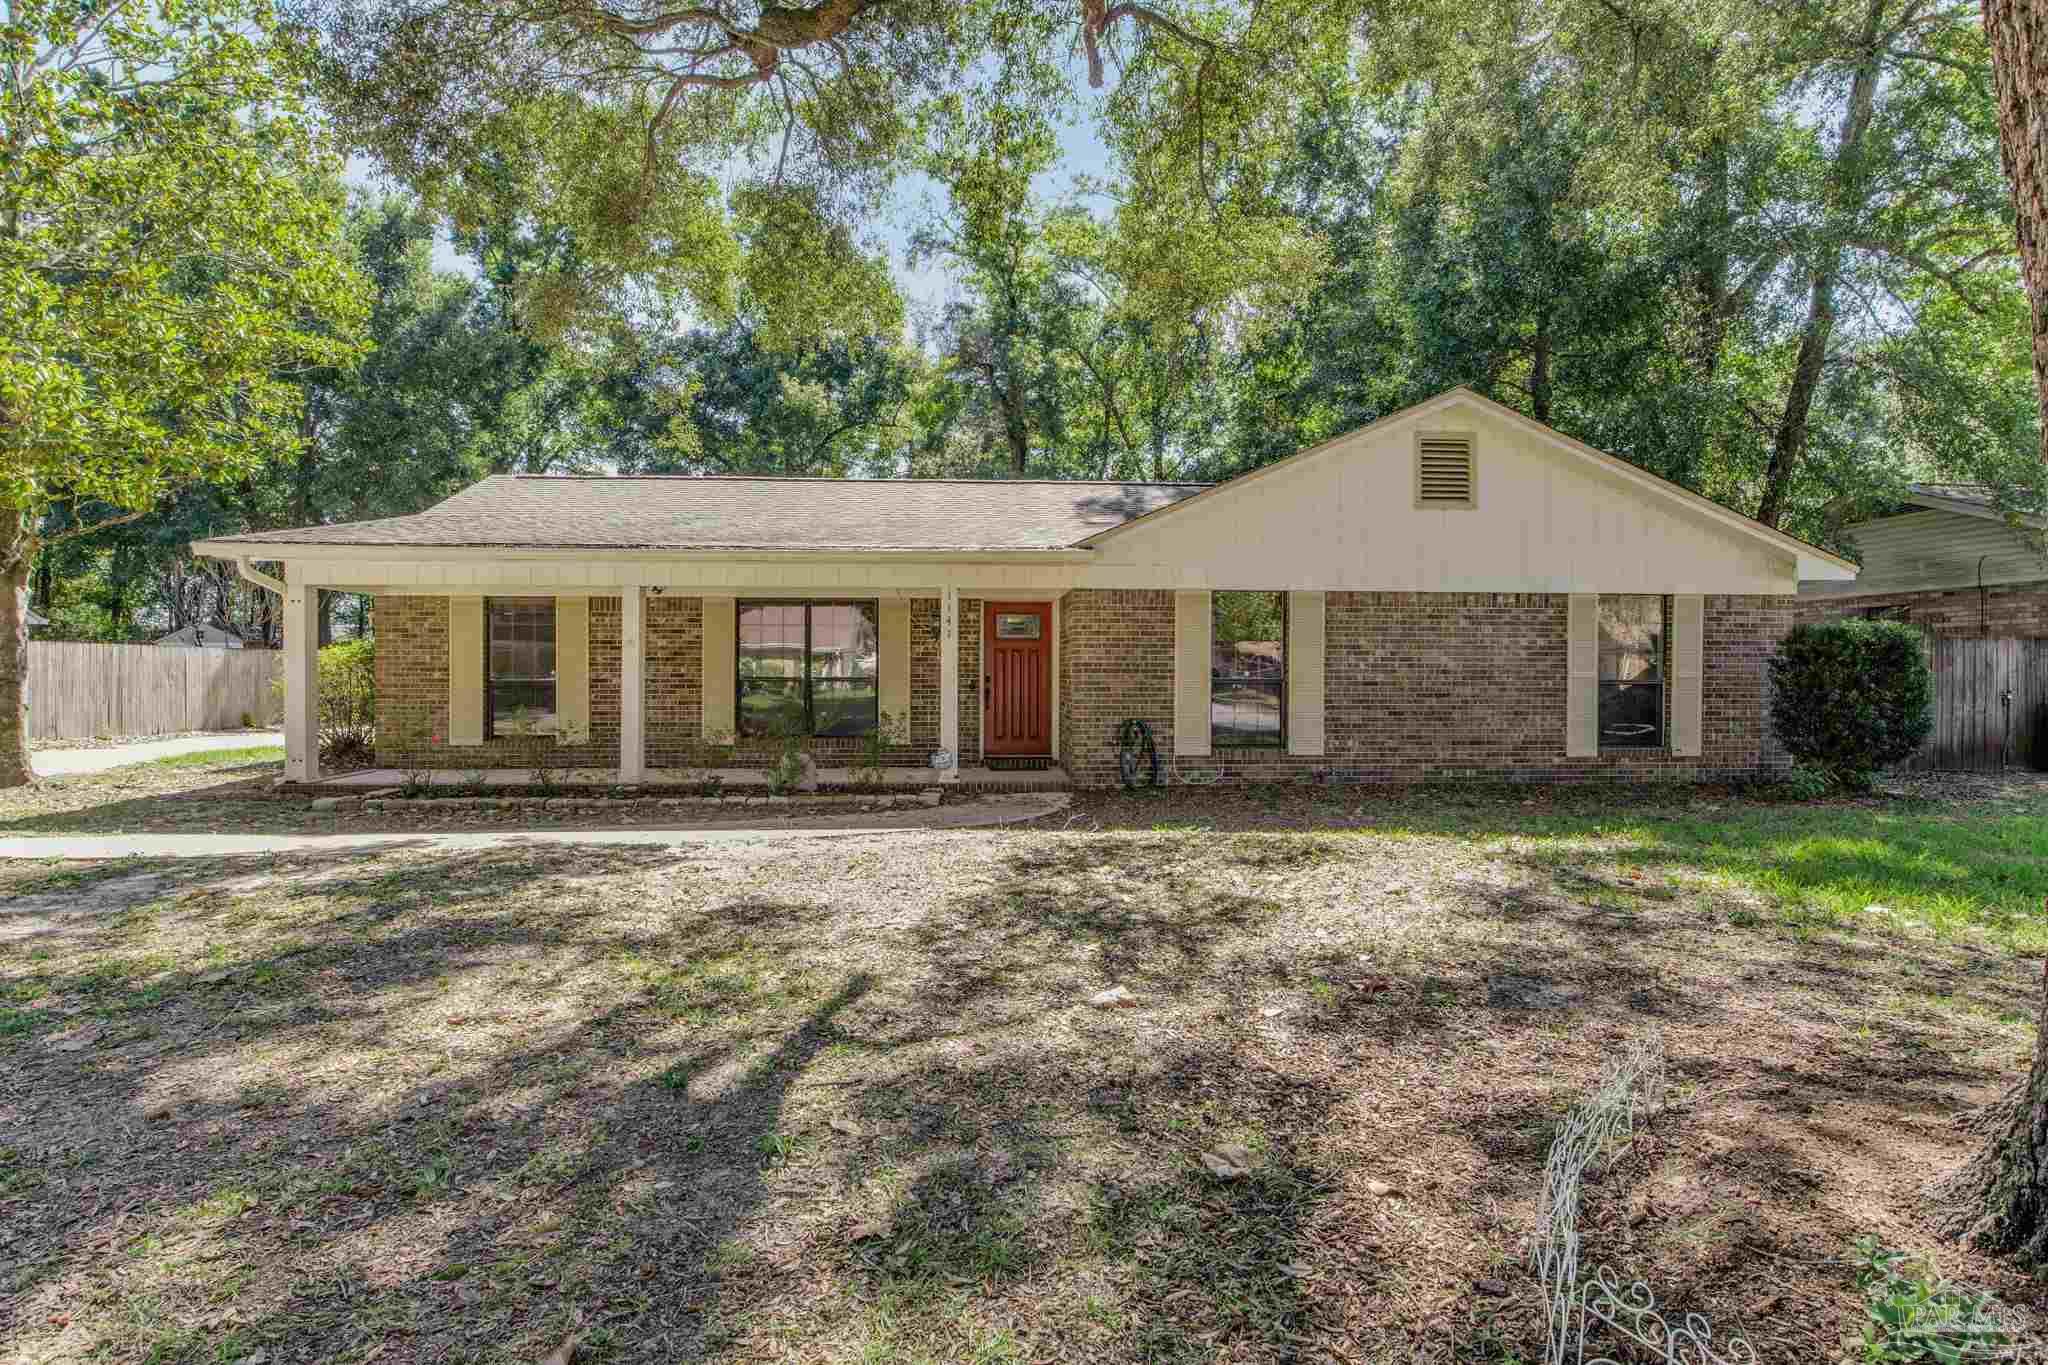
348 704
1851 697
1912 1314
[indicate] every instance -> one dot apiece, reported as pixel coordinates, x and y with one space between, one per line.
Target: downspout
245 566
1983 607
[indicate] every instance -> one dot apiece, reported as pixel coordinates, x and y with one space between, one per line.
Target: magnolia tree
168 261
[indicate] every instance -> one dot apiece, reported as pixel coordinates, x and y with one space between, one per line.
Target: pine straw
844 1101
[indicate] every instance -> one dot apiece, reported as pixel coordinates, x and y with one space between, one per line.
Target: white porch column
949 681
632 685
301 680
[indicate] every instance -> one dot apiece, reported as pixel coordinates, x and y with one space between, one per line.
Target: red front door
1016 684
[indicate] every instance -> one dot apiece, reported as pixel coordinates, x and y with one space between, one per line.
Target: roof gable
1601 477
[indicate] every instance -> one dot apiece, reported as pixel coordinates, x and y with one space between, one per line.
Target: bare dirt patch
845 1099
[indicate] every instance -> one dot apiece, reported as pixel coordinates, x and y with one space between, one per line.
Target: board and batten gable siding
1546 520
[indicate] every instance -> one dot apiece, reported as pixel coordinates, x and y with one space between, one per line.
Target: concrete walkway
1002 810
71 762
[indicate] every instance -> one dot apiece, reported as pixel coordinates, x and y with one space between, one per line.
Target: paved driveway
70 762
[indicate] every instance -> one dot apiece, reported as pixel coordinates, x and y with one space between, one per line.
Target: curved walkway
1002 810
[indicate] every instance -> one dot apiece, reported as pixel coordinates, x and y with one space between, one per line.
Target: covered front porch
665 683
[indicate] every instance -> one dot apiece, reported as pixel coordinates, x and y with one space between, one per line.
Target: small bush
1851 697
1912 1314
348 705
786 774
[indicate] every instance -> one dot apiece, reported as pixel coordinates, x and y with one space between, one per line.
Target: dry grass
843 1101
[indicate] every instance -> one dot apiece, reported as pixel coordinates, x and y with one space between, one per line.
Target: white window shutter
1688 673
1191 627
1582 676
1304 663
892 685
721 669
465 670
572 670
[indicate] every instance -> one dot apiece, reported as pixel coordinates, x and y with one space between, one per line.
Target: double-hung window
519 663
1248 669
1631 672
808 668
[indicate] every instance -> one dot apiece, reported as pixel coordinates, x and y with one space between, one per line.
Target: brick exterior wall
2002 609
1418 687
673 682
412 693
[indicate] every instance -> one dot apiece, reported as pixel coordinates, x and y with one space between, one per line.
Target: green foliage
348 704
167 250
1911 1314
1851 697
786 773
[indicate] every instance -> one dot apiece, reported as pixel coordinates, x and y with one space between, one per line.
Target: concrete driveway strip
71 762
968 815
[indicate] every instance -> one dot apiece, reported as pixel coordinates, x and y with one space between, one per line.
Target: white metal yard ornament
1630 1083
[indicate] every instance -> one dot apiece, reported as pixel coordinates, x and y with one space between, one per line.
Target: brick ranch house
1951 563
1453 591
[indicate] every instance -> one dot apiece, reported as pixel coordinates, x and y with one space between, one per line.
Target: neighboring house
1952 564
1460 592
204 637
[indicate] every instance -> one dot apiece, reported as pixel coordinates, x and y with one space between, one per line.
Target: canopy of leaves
166 249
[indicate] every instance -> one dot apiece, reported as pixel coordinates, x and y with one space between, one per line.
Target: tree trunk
1999 1201
2018 30
1539 372
326 617
16 555
1849 180
1790 443
1710 270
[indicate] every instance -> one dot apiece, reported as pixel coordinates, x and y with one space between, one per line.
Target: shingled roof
680 512
1979 493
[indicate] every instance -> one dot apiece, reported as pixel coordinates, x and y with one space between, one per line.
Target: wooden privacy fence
1974 722
78 691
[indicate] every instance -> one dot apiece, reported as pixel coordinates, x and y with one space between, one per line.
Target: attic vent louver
1443 470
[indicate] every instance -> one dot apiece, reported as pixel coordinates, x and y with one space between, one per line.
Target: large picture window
519 662
807 668
1631 672
1248 669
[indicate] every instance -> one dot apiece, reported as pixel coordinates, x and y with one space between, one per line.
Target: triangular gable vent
1443 470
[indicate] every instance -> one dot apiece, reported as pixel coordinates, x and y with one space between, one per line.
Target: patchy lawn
844 1100
193 793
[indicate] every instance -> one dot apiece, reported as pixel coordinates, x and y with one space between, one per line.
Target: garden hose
1134 746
